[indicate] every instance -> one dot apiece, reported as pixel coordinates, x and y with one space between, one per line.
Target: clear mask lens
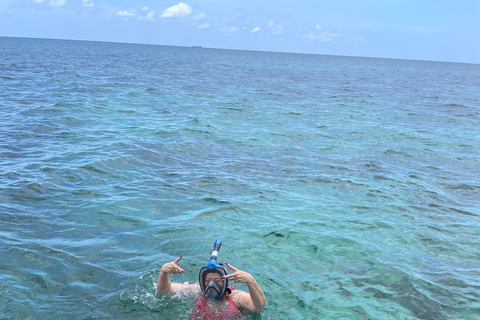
213 289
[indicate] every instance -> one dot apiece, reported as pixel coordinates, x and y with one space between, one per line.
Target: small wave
274 234
66 105
382 177
462 186
214 200
115 221
213 215
153 91
293 113
41 110
392 152
235 109
197 131
85 192
464 212
127 111
94 169
33 192
454 105
163 133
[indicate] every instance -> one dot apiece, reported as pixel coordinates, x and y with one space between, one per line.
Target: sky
438 30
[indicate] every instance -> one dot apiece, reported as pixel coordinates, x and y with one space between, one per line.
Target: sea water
348 187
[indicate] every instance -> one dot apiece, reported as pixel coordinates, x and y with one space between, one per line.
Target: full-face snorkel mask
214 290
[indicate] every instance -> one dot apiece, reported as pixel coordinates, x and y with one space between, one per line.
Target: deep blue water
349 187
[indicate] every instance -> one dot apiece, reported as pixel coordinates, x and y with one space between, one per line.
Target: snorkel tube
211 290
212 264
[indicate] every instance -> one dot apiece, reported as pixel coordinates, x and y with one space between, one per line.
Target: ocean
348 187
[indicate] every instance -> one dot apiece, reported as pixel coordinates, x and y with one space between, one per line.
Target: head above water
210 276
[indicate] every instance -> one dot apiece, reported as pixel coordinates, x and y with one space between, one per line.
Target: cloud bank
126 13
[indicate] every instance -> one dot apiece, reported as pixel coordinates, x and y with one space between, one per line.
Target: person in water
215 299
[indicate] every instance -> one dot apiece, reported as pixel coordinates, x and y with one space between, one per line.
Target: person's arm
254 301
163 284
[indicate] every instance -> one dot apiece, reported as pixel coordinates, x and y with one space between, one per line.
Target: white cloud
204 25
321 34
38 1
57 3
148 17
88 3
126 13
199 16
256 29
277 29
145 9
179 10
229 29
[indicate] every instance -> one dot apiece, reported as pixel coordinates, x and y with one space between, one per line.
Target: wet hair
213 271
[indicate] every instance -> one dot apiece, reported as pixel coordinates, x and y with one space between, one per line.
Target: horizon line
248 50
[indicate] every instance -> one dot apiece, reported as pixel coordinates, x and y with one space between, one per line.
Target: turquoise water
349 187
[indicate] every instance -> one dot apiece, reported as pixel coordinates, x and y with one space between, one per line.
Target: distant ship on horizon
196 46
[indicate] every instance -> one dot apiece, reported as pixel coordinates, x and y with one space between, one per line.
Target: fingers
172 267
231 267
236 277
179 270
176 261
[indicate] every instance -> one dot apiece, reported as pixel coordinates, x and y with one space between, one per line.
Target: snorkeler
215 299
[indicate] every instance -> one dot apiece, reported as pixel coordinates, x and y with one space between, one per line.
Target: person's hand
172 267
238 276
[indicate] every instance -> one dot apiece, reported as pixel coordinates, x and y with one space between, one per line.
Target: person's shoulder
186 289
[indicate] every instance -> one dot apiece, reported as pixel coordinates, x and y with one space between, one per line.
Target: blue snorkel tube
214 266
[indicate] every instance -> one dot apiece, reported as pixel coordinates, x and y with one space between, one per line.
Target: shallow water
348 187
